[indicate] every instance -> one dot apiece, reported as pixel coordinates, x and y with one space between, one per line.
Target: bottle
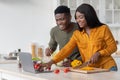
40 52
33 50
18 60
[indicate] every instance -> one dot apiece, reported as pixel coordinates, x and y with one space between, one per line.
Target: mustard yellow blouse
100 40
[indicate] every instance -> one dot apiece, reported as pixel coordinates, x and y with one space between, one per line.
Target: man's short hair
62 9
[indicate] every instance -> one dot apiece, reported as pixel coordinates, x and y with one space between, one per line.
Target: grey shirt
59 37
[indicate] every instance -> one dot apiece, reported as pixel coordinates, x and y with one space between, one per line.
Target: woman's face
80 19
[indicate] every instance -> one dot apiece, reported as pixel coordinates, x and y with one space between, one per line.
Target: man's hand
95 58
48 52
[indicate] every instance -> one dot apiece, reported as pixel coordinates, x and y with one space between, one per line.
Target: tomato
66 70
56 71
49 68
36 66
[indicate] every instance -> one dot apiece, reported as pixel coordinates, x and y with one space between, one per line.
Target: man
61 34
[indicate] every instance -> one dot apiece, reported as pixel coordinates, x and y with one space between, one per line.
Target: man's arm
52 44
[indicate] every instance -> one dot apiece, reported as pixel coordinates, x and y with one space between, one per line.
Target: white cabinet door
5 76
112 12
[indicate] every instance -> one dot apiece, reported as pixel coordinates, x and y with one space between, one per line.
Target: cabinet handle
3 79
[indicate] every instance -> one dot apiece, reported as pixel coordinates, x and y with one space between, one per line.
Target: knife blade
81 66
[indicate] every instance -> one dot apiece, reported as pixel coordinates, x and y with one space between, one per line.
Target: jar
33 50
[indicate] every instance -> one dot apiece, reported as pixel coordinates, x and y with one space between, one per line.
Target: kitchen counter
116 56
2 61
15 71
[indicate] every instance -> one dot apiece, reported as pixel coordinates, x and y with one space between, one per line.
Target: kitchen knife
82 65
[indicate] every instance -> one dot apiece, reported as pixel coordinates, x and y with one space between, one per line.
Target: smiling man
60 34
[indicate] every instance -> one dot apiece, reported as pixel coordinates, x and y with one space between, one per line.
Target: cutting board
96 70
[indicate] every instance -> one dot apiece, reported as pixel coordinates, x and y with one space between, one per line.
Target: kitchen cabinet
108 11
118 62
112 12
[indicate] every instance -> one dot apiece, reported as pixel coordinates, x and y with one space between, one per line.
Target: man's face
62 20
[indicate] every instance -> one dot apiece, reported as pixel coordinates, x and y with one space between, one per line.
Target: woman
93 39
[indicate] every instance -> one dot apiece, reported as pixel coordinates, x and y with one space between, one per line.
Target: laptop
27 63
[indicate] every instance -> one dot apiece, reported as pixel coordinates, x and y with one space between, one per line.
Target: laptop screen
26 62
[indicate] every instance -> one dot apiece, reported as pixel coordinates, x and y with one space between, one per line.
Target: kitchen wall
23 22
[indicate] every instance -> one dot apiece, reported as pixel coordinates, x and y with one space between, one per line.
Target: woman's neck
87 29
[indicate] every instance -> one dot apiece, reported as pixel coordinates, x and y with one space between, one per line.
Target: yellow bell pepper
76 63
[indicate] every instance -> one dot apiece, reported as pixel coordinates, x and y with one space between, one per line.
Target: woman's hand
48 65
95 58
